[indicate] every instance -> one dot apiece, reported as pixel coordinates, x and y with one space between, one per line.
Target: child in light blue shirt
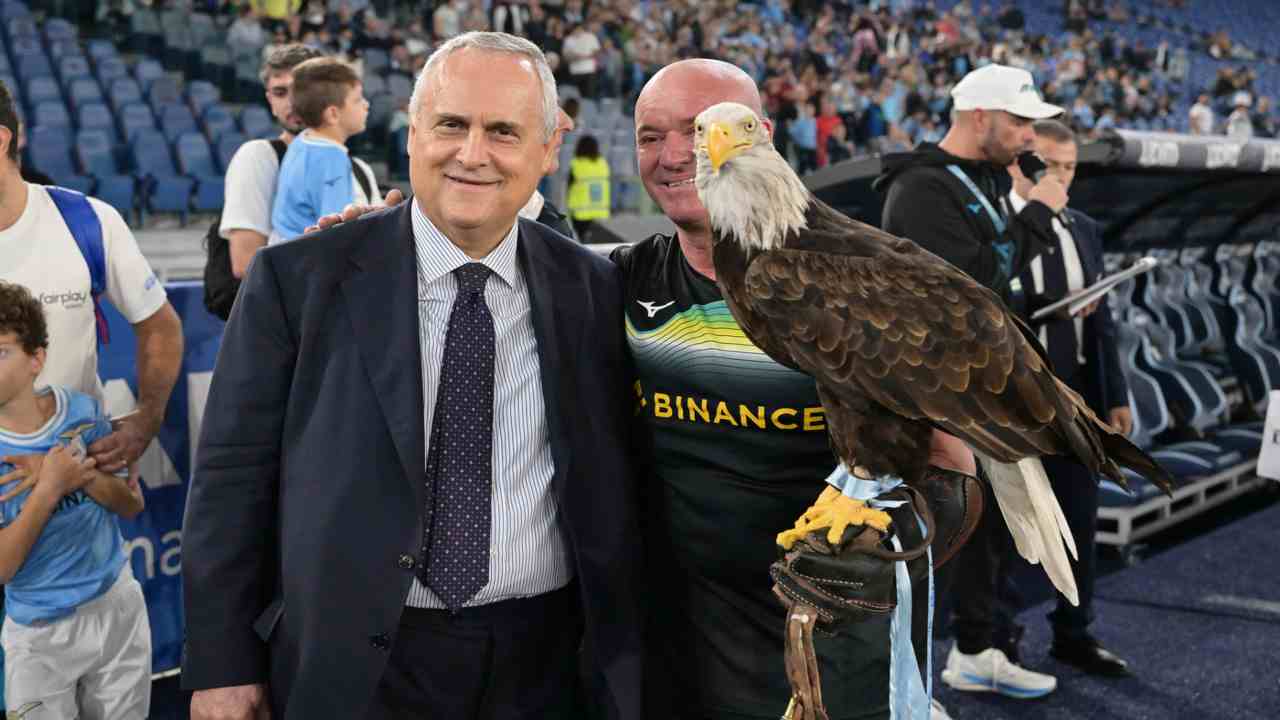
316 175
76 638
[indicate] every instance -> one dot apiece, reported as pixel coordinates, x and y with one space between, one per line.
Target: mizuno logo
330 182
652 308
975 208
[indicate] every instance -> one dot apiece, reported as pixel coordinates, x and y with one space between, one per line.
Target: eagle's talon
834 513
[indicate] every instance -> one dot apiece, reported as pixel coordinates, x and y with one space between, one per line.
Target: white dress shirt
528 555
1075 272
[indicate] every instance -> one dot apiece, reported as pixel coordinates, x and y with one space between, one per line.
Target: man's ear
7 138
37 360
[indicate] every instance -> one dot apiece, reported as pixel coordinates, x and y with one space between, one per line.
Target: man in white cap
952 199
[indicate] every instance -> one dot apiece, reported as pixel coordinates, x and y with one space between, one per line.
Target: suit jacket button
381 641
406 562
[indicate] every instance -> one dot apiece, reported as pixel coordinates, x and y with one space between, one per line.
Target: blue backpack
86 228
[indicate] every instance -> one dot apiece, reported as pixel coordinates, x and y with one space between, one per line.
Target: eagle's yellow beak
723 145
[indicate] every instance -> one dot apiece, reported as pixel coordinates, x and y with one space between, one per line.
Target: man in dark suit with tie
412 494
1082 352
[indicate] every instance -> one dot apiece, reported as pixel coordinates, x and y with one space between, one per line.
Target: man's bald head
665 112
715 80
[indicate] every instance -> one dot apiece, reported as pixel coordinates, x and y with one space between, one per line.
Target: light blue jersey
315 179
80 552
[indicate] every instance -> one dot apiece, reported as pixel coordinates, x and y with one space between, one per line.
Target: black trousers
512 660
983 597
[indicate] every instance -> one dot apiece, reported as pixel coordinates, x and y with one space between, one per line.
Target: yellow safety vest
589 192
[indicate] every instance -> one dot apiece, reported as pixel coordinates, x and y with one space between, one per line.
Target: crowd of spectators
840 78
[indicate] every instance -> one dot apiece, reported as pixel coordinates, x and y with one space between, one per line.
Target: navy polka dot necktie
459 472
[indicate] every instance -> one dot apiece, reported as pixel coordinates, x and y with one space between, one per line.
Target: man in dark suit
1082 352
412 496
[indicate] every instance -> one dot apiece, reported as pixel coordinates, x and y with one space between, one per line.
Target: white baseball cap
1000 87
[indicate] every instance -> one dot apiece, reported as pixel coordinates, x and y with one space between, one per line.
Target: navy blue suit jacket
1103 384
309 481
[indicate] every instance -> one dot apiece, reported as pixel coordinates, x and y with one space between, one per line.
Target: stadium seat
226 147
96 116
82 91
162 91
134 117
146 71
97 158
51 114
49 150
201 94
72 67
397 153
100 49
57 30
33 65
195 160
376 61
217 121
124 90
176 120
374 85
22 27
110 69
145 33
65 49
255 122
400 86
41 89
163 188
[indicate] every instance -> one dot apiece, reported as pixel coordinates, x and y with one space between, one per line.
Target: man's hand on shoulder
239 702
351 212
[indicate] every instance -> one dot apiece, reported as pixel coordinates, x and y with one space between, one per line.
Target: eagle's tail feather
1034 517
1131 456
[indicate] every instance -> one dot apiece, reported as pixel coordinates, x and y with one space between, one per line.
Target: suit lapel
554 298
382 301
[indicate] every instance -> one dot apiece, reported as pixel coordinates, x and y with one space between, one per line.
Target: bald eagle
899 341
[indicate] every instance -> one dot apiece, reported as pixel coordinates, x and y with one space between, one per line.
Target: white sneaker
936 711
991 671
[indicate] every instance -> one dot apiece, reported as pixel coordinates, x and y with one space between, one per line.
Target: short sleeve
251 188
132 286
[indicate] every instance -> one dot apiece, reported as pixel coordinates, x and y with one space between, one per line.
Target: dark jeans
512 660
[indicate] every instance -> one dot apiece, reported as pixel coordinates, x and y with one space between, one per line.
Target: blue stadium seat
376 61
201 94
22 27
146 71
96 116
162 91
99 49
13 8
33 65
49 150
84 90
72 67
122 91
176 120
95 153
163 188
195 160
397 153
255 121
134 117
110 69
51 114
217 120
24 46
226 146
374 85
65 48
57 29
41 89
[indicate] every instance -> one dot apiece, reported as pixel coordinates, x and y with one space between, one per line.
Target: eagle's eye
698 128
750 126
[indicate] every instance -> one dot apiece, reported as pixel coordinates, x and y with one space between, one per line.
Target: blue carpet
1199 623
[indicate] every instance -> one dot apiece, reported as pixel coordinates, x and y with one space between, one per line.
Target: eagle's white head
752 195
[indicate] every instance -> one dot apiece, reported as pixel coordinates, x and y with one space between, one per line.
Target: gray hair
498 43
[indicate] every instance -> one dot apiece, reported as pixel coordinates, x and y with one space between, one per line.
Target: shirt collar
438 256
1016 203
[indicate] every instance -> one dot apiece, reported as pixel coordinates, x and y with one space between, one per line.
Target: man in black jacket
951 199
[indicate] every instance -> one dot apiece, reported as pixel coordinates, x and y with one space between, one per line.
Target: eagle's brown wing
922 340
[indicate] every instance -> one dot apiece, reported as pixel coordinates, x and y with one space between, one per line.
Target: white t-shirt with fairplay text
39 253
